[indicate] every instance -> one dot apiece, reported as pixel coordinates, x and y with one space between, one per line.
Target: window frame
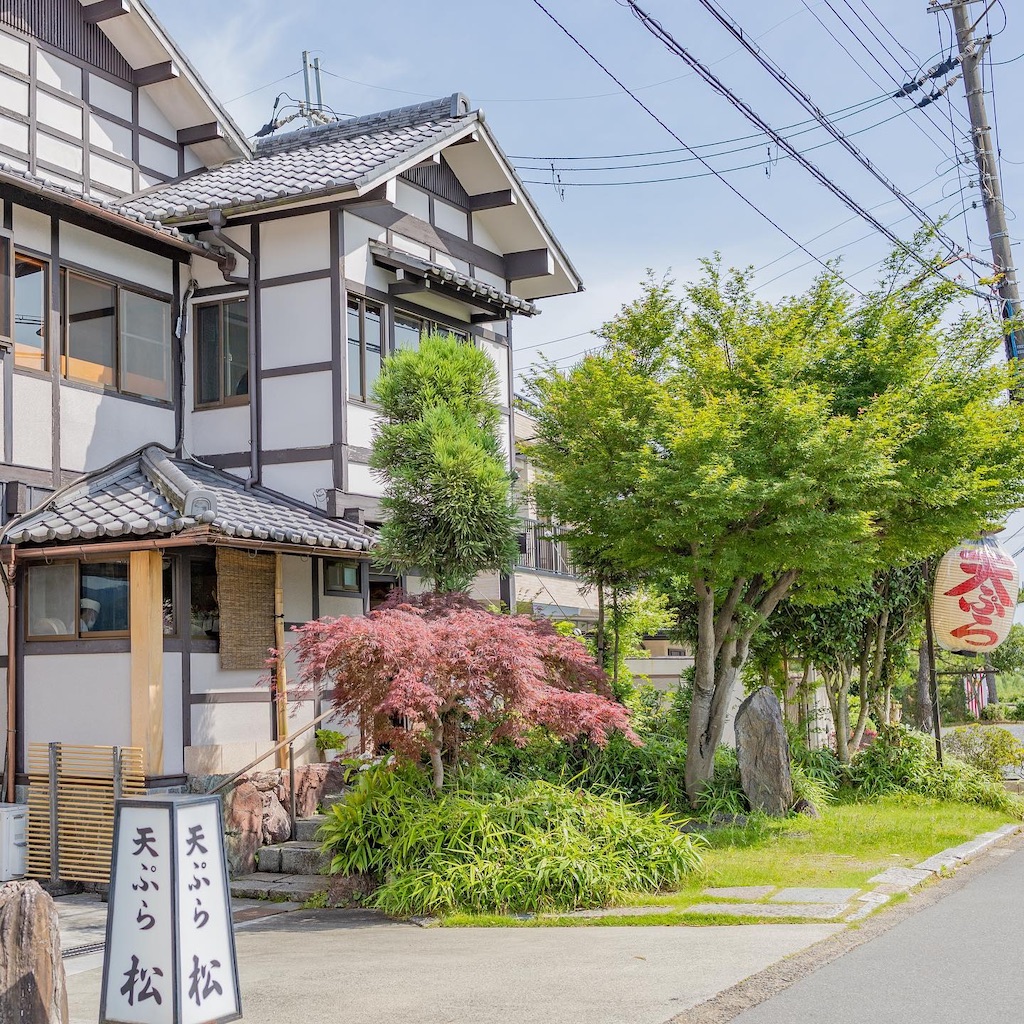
343 591
77 634
362 301
119 286
45 263
7 258
224 401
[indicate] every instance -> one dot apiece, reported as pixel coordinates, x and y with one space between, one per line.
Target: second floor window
365 336
115 337
222 353
30 320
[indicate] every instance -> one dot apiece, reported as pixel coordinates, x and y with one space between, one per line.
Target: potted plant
330 743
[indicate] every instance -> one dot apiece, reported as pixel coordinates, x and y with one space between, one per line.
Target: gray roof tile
150 491
317 160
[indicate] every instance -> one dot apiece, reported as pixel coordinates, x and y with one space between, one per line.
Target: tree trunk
990 682
599 644
842 712
436 761
922 687
615 639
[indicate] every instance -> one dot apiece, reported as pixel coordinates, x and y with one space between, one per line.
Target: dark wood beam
104 10
409 286
487 318
493 200
165 72
210 132
531 263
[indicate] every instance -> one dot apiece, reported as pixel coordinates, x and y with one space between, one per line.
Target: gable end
440 180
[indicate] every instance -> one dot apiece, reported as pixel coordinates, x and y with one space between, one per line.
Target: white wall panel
362 423
483 238
451 219
231 723
219 431
33 422
14 53
492 279
358 265
174 763
295 245
207 676
112 257
411 200
297 411
78 698
31 229
296 325
499 356
60 74
59 114
335 606
152 118
110 173
192 162
114 138
114 99
158 156
14 94
57 151
298 588
362 481
14 134
98 428
300 480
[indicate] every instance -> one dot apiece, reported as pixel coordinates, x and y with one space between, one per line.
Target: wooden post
147 643
280 673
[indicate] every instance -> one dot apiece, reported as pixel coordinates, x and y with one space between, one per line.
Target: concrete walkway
320 966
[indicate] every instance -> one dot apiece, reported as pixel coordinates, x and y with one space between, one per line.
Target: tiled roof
312 161
152 493
64 193
467 286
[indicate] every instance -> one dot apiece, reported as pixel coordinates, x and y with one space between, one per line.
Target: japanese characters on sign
976 585
170 953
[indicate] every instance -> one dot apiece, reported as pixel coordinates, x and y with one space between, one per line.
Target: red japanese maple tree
442 664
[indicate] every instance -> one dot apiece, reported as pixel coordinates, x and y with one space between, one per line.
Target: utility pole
971 52
308 111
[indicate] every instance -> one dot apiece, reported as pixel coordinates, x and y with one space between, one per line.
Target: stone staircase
293 870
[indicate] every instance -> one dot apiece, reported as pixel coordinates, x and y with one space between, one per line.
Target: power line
663 35
260 88
636 99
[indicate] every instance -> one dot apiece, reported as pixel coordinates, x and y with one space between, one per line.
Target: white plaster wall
334 606
209 677
78 698
152 117
499 356
31 229
362 423
296 323
219 724
362 481
483 237
98 428
109 256
300 480
412 200
358 265
487 588
294 245
174 758
554 590
33 421
218 431
298 588
451 219
297 411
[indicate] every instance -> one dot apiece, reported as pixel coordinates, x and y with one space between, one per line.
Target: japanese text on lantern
983 596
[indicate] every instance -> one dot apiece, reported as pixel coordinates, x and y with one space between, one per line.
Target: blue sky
546 100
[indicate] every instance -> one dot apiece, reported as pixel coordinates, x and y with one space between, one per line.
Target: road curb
896 881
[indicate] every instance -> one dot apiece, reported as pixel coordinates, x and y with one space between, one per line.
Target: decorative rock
762 750
32 984
277 825
243 827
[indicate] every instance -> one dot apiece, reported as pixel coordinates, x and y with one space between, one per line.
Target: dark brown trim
8 354
165 781
391 217
531 263
274 457
184 598
167 71
177 356
121 282
290 371
256 372
104 10
359 455
224 401
308 275
112 392
239 697
219 290
107 645
339 350
56 304
212 131
492 200
31 475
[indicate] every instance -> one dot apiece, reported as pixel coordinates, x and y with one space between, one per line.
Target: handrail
286 742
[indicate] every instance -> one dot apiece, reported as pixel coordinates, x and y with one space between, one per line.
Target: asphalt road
958 961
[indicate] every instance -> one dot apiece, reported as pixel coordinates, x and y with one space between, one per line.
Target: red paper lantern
975 596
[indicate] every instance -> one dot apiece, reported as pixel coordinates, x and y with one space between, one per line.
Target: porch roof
151 492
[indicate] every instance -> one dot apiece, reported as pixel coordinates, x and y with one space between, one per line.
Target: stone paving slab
617 912
870 902
813 911
903 877
740 892
266 886
800 894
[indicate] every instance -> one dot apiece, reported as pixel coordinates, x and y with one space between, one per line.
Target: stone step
306 828
267 885
328 800
293 858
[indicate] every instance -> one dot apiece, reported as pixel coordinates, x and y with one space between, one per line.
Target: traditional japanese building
190 328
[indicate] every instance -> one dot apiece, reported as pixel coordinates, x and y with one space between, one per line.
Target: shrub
989 749
493 845
904 761
809 789
330 739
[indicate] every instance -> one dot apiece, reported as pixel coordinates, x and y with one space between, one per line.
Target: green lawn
848 845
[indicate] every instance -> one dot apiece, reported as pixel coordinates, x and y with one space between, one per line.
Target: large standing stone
32 986
763 753
243 827
277 825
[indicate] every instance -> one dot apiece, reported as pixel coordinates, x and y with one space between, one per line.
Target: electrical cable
656 29
260 88
636 99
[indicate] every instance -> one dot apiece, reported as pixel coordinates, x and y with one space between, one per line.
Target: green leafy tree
740 446
447 488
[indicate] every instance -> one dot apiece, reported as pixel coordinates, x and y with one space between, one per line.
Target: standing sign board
170 952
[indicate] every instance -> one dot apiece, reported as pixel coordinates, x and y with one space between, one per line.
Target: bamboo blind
86 787
245 594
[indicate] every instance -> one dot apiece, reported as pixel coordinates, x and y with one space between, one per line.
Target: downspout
12 661
181 331
218 222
